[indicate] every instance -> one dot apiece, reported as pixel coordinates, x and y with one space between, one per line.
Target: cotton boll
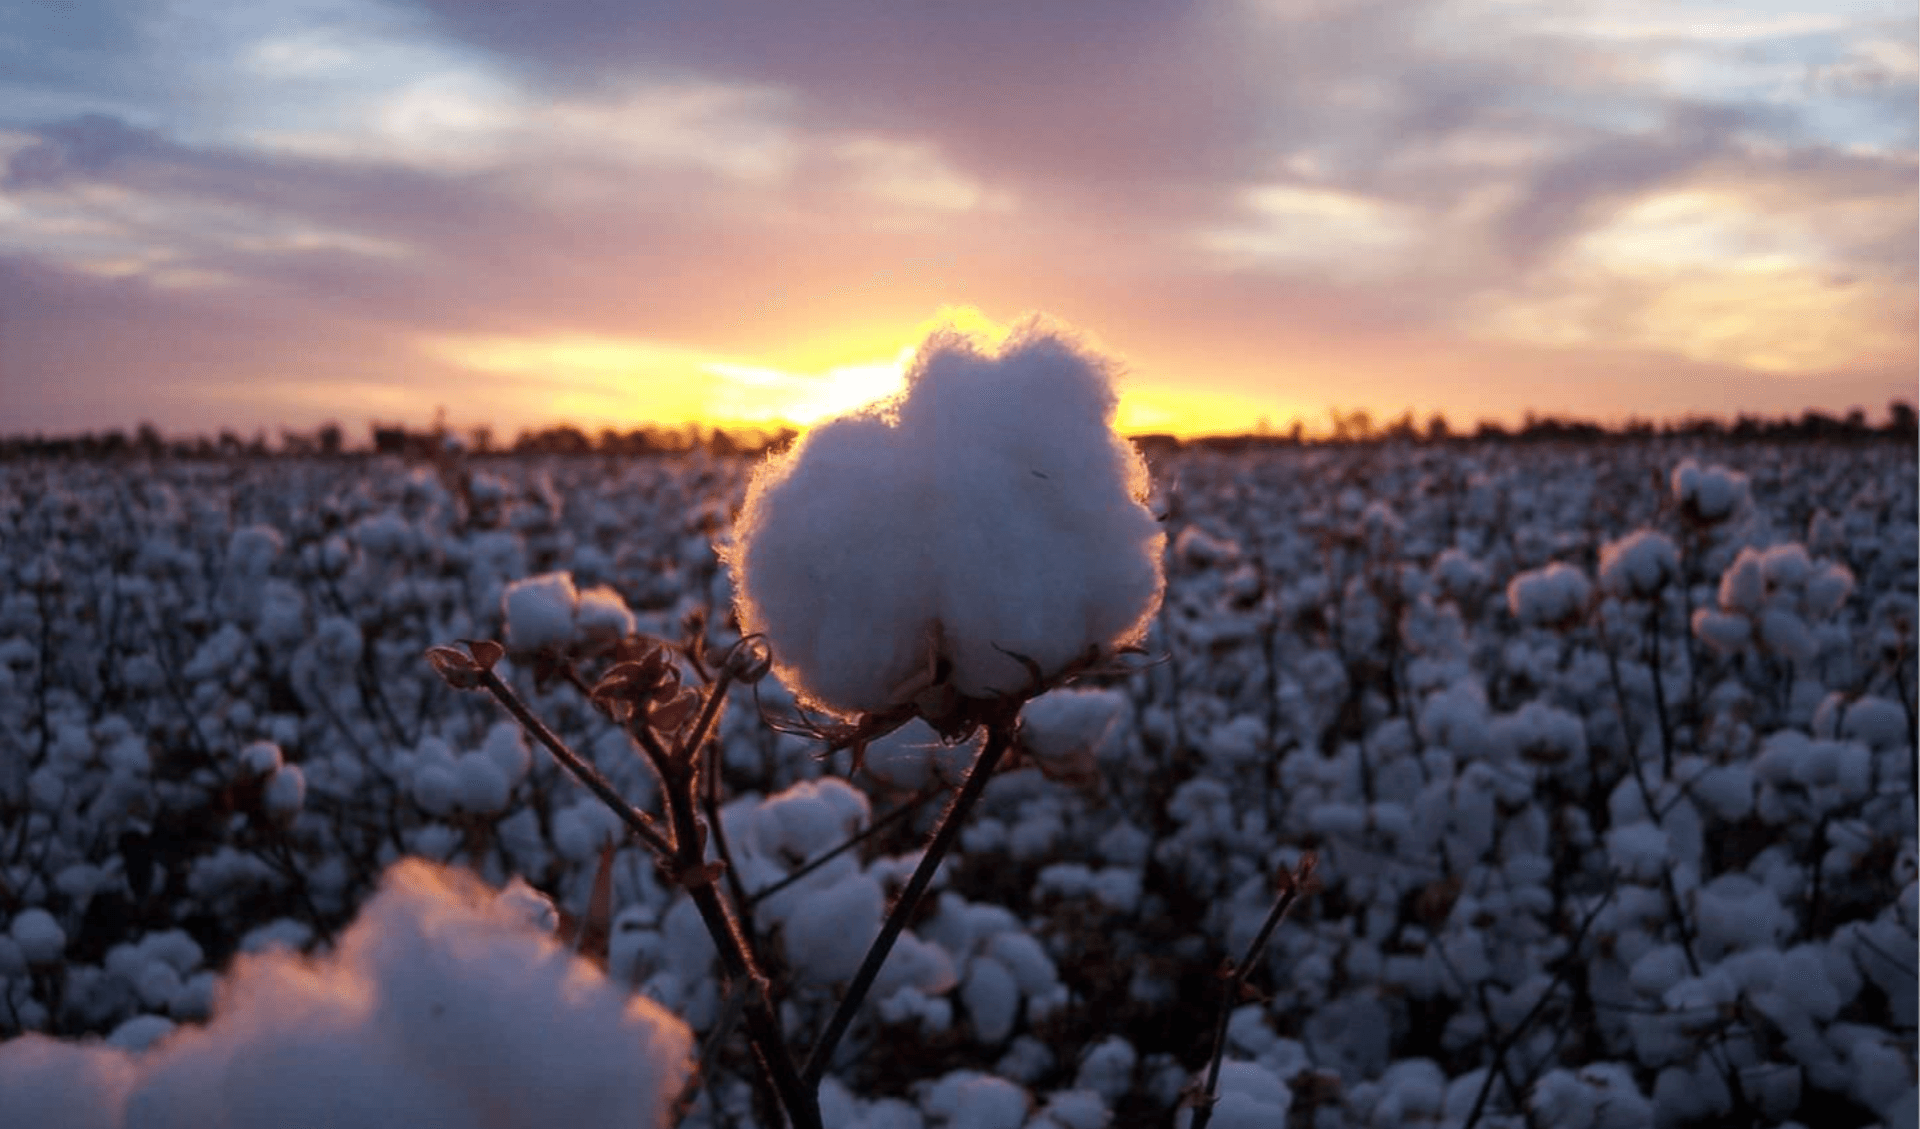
1722 631
1550 596
1073 1109
1640 851
1709 494
1786 566
480 785
1743 586
828 929
915 965
1657 970
539 611
1107 1067
1735 912
914 756
992 999
1726 791
47 1082
992 510
436 788
140 1032
579 831
1785 634
1827 590
261 758
433 1005
529 905
506 746
1249 1097
969 1100
1639 564
39 936
602 617
1063 726
285 794
807 819
1878 722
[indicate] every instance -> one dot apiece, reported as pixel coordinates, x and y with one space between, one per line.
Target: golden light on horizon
594 381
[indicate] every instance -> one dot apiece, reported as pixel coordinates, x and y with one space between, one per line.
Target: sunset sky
610 212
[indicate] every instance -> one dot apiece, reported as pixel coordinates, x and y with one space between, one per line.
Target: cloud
763 187
84 147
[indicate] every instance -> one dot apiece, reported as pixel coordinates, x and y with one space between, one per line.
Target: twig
906 808
1293 884
687 864
640 822
999 738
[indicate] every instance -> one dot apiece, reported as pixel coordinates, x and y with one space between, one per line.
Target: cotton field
1606 753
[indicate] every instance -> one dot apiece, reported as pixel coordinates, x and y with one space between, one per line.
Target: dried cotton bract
989 511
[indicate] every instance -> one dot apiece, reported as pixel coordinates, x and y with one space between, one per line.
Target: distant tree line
1358 426
329 440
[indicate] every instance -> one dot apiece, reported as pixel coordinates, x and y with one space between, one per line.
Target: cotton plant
946 556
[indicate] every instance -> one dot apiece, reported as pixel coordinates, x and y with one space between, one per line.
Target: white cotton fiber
261 758
1641 852
602 616
1550 596
286 793
1639 564
991 508
992 998
828 930
966 1099
1723 631
47 1082
39 936
506 746
1743 586
1250 1097
1064 727
1709 493
539 611
1827 589
439 1006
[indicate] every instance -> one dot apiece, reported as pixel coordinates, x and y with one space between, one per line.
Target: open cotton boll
48 1082
506 746
966 1099
286 793
539 611
992 998
914 756
39 936
602 616
989 509
1064 727
1250 1097
439 1006
807 819
481 787
1709 493
1550 596
1827 589
1723 631
261 758
1743 586
1639 564
828 929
